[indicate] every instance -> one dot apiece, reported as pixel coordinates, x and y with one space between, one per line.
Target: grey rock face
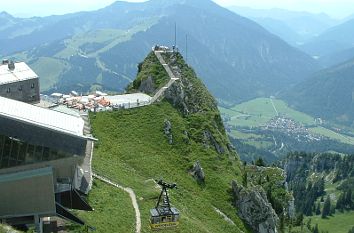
168 131
177 96
147 86
253 207
209 139
198 173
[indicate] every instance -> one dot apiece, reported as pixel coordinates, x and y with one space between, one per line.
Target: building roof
41 117
21 72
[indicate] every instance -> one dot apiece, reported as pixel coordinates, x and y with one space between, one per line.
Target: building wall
27 193
39 136
63 169
25 91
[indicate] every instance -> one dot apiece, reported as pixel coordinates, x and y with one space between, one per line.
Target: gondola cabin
163 215
160 219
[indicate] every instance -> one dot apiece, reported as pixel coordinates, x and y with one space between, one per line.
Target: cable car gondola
163 215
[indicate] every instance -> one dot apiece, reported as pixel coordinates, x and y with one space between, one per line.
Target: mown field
339 223
258 112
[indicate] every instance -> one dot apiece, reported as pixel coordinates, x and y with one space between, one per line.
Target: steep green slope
135 147
328 94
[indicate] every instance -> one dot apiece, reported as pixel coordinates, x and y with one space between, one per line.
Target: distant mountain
336 58
281 29
333 40
295 27
328 94
237 58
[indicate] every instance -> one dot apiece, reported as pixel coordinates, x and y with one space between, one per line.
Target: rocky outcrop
188 95
198 173
210 140
147 85
253 207
177 96
168 131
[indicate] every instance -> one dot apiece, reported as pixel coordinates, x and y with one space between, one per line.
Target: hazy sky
25 8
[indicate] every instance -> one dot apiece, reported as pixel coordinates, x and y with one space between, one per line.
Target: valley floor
271 126
339 223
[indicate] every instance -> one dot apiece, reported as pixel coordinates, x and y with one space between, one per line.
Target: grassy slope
49 70
339 223
132 150
112 207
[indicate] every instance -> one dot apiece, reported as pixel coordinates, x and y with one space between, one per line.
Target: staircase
173 78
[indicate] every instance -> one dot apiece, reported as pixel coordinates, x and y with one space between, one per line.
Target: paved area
129 100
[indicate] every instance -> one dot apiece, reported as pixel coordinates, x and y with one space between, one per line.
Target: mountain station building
19 82
45 156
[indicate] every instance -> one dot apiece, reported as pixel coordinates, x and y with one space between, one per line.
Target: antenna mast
175 34
186 48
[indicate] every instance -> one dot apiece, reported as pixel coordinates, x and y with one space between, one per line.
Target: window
32 85
20 88
8 90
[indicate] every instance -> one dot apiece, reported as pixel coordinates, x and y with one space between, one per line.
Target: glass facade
14 152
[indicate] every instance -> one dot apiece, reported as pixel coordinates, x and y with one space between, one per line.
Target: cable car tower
163 215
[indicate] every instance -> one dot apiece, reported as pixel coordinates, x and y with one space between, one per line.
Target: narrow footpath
132 197
275 109
128 190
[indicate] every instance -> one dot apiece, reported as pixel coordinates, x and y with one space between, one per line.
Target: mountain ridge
328 94
246 60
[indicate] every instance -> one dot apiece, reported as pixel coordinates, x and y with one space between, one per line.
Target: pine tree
315 229
282 224
348 199
308 224
326 208
244 179
340 202
333 210
318 209
260 162
351 231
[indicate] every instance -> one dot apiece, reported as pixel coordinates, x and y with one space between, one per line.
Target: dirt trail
132 197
